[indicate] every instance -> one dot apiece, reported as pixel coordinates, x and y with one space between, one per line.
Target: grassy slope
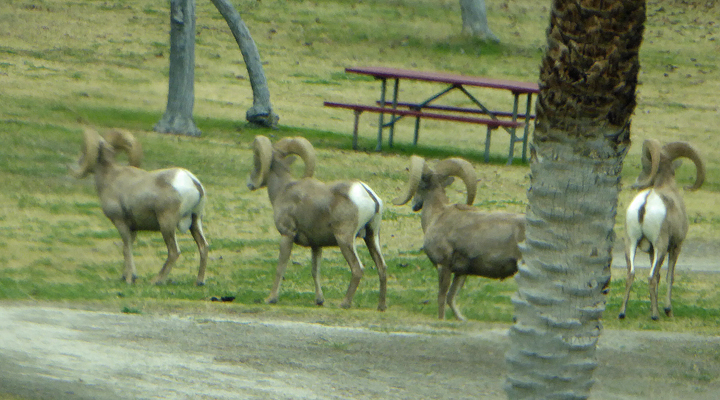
67 63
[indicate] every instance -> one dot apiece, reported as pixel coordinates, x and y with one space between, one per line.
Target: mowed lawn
65 65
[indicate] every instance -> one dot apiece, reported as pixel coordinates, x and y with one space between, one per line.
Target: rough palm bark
474 20
588 80
178 116
261 111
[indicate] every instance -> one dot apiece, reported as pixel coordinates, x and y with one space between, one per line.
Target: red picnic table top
454 79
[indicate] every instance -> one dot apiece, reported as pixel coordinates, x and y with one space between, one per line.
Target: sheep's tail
375 198
377 217
199 208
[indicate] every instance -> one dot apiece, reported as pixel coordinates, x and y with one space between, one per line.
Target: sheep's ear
290 159
676 164
463 170
448 181
303 148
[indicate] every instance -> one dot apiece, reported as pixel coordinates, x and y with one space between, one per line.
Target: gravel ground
59 353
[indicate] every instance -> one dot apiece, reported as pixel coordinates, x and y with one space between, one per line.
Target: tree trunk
261 112
588 79
181 92
474 19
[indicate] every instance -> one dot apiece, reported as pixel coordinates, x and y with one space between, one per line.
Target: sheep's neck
104 174
666 184
434 203
277 180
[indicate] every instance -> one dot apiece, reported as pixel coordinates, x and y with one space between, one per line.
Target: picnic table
511 120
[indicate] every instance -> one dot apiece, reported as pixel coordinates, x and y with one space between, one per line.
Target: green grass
108 68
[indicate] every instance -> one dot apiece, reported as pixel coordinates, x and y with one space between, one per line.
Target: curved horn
417 167
463 170
88 158
262 158
650 154
302 147
684 149
124 140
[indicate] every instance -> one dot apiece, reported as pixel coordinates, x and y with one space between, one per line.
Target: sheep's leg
630 261
316 256
672 259
173 255
202 244
457 284
347 247
286 244
128 237
653 283
372 241
444 274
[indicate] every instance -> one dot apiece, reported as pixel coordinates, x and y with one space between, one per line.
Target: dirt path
55 353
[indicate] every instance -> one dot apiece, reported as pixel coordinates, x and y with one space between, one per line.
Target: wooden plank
447 117
414 106
442 77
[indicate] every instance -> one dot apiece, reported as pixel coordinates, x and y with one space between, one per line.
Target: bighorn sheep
459 239
316 215
656 220
137 200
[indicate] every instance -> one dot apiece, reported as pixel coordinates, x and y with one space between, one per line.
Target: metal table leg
513 137
380 122
527 127
391 133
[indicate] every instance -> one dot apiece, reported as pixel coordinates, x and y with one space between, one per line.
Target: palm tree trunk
588 79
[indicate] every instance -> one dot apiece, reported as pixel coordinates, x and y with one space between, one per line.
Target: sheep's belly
495 269
316 241
147 224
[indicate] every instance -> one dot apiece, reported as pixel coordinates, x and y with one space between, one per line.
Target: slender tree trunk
588 79
178 117
474 19
261 111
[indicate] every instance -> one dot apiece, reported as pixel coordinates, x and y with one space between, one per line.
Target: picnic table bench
511 121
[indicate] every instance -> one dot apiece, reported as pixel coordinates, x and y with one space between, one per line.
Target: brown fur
459 239
659 174
138 200
314 214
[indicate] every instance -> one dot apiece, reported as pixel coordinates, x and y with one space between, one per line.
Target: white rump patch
655 212
186 185
651 224
368 203
652 219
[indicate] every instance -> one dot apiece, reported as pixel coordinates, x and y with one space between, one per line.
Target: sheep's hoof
271 300
199 283
621 315
319 302
668 311
130 281
655 318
